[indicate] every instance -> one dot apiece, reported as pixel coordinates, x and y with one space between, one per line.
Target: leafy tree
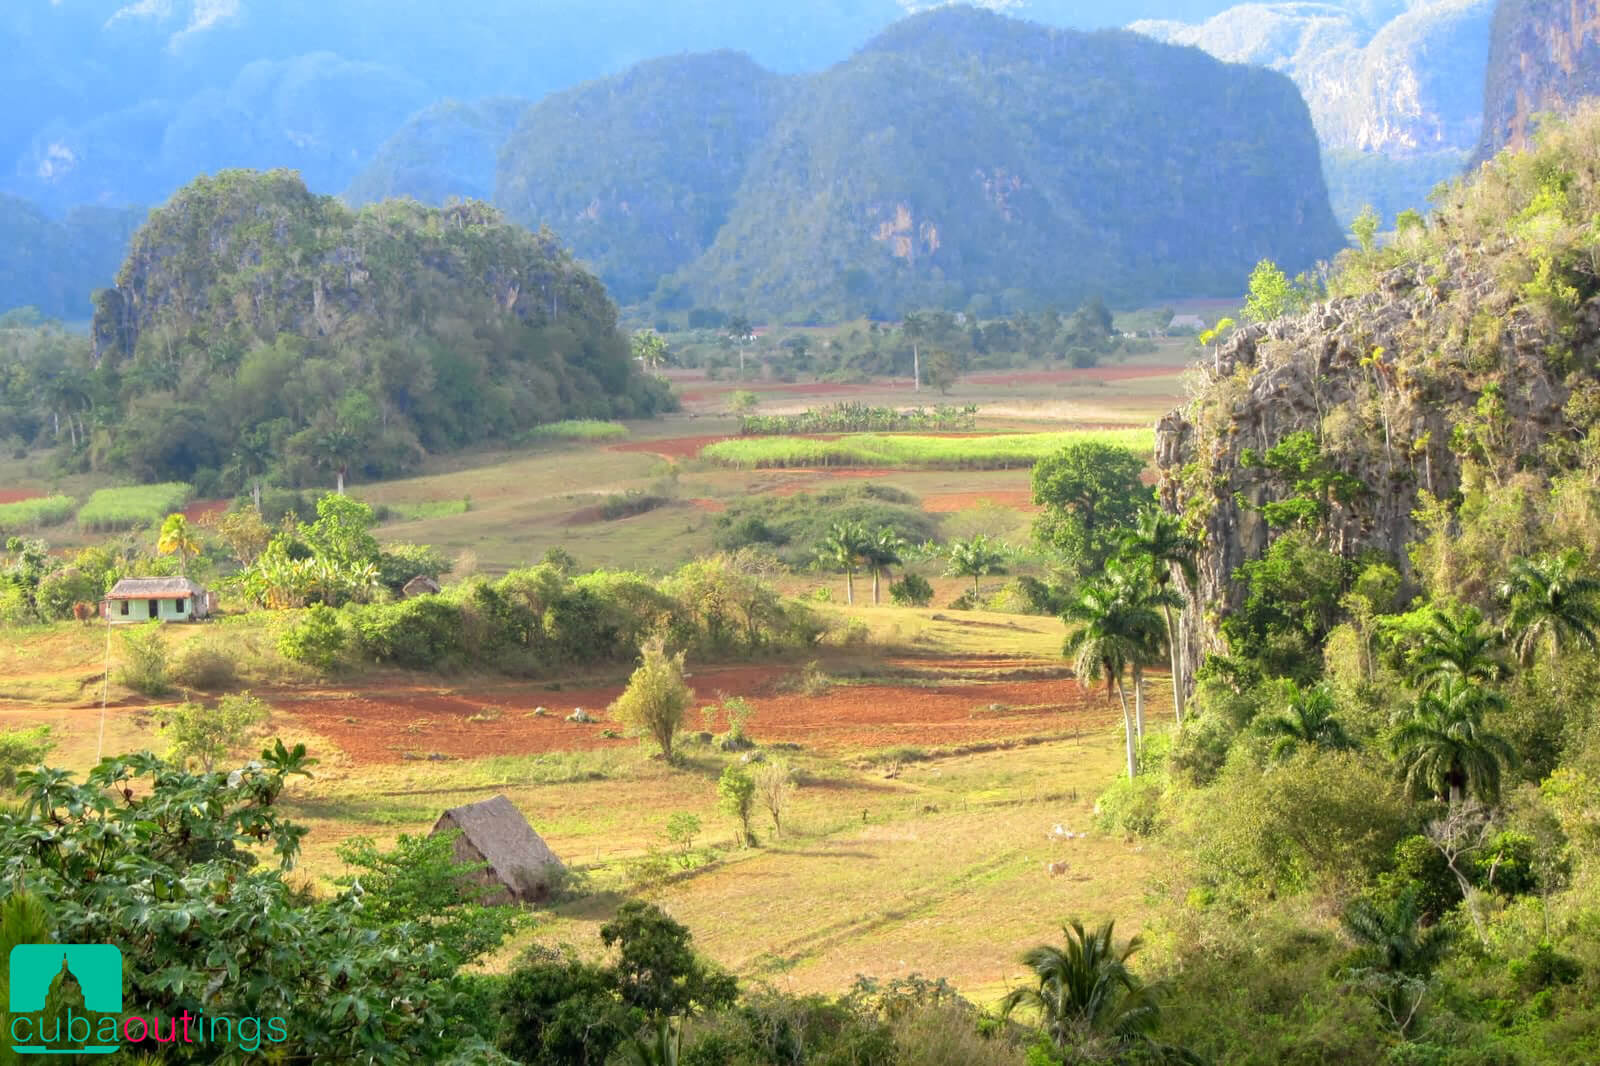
1089 1003
316 639
1292 604
883 550
1315 483
942 370
976 557
1437 646
1443 747
557 1010
736 795
1271 295
143 844
846 548
649 348
656 968
420 882
21 748
1090 493
178 539
1308 719
245 533
1110 632
912 590
1365 227
1159 542
1213 337
740 332
1396 953
207 735
657 700
1549 600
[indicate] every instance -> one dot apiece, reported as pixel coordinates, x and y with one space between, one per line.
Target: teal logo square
60 996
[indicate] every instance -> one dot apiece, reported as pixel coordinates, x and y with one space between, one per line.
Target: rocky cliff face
1544 55
1382 378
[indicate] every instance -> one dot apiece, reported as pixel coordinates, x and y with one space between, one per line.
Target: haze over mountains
126 101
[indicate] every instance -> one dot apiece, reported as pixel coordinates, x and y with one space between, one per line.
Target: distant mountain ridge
1393 88
959 158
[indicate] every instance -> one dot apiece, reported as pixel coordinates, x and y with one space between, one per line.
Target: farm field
932 767
932 774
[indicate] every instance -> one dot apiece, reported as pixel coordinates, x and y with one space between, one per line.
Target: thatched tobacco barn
520 866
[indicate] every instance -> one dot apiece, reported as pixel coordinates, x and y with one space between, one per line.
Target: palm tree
845 548
1086 997
1141 595
976 557
1160 542
177 539
1111 633
882 551
1444 748
1454 645
1549 599
1308 719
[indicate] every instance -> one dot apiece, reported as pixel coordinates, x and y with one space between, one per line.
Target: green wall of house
139 610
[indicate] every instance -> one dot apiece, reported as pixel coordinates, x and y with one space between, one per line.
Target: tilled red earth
393 723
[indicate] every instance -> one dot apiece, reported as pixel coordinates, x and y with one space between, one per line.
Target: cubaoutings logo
66 999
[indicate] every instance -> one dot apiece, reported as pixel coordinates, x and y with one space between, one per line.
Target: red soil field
385 725
947 502
1052 377
673 448
17 495
202 509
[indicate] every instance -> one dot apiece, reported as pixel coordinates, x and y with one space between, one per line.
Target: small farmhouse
520 866
164 599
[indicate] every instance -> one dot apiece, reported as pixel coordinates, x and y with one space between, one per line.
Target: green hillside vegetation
638 172
959 156
53 265
447 151
27 515
260 332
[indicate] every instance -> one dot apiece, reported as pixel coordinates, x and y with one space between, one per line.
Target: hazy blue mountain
959 159
1393 87
448 150
54 264
122 101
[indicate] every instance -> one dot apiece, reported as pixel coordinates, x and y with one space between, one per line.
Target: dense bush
911 590
205 665
144 660
317 638
422 633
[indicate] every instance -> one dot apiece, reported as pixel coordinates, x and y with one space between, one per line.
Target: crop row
997 452
859 418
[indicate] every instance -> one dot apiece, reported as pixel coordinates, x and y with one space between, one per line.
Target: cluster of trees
930 347
260 333
384 968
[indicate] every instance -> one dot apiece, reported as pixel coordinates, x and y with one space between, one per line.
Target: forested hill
256 326
960 159
641 170
52 264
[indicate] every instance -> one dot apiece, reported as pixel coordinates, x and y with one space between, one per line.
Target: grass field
931 774
132 507
36 513
579 429
932 770
1000 452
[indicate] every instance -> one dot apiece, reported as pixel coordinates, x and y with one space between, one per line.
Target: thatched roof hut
520 866
421 585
